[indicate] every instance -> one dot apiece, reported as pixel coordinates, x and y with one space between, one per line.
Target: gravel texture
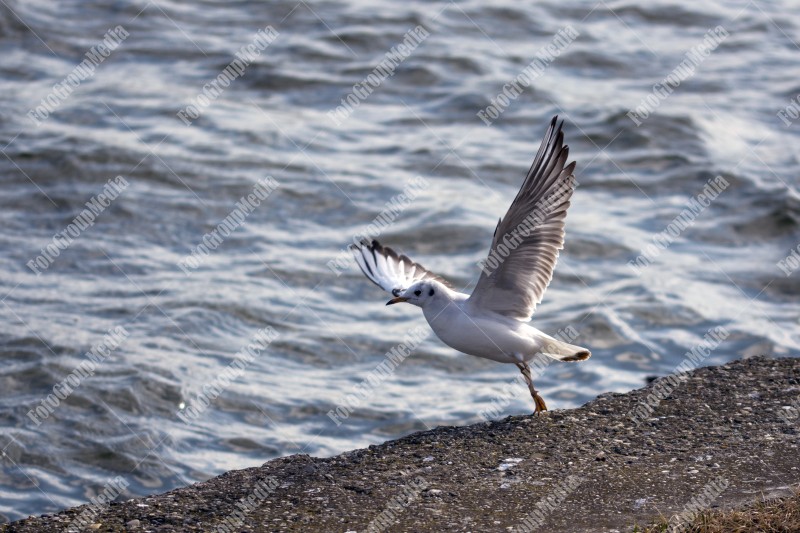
724 436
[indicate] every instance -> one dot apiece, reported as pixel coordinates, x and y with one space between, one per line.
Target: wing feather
527 240
389 270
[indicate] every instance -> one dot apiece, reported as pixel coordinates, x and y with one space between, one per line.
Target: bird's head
420 293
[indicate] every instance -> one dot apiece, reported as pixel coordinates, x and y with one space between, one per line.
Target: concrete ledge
724 436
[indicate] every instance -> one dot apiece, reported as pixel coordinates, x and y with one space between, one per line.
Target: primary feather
512 284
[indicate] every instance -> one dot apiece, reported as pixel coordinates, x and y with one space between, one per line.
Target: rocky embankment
721 436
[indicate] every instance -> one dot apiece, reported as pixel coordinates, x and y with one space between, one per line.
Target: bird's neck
446 298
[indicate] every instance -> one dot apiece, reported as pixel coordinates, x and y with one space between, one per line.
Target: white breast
500 339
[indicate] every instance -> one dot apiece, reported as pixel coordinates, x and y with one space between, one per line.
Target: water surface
183 330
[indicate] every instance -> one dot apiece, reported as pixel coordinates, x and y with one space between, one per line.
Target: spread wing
526 241
389 270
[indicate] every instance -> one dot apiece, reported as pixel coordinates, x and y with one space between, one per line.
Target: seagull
493 321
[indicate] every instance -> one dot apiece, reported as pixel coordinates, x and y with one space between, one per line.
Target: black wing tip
377 248
363 243
374 247
371 246
559 149
366 242
555 130
555 124
553 140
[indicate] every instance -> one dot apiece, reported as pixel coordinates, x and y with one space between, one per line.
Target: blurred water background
731 115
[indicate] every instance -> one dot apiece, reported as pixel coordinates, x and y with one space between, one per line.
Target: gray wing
389 270
526 241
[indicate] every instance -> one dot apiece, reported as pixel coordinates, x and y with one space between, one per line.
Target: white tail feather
564 351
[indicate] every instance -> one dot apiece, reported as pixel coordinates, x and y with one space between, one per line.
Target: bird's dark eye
430 293
417 292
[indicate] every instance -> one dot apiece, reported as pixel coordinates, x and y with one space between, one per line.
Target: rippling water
183 330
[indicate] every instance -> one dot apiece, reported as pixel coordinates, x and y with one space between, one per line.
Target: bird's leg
538 400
